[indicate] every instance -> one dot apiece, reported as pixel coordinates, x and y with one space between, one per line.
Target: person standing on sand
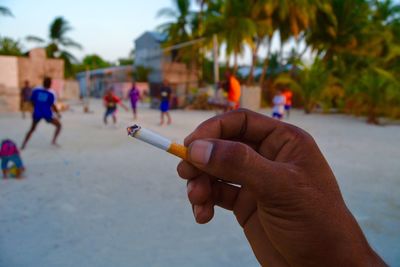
26 92
111 102
134 96
279 105
288 100
234 92
165 94
43 101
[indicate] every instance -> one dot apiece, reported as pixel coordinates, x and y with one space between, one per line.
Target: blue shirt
42 101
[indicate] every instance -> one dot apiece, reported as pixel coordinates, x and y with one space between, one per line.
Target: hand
287 199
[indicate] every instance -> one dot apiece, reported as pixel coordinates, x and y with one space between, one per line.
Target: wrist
351 247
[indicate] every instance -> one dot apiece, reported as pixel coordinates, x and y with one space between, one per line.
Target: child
111 101
9 153
288 103
165 94
134 96
279 105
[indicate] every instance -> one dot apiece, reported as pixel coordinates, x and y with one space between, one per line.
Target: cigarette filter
157 140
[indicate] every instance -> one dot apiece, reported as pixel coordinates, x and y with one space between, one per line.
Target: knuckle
181 170
295 134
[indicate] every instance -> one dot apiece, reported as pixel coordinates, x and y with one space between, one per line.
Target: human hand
287 199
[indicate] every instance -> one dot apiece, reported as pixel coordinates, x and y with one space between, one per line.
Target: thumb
234 162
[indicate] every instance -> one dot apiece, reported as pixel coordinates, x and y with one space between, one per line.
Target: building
95 82
15 70
150 54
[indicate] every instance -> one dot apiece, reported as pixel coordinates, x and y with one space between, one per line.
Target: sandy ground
104 199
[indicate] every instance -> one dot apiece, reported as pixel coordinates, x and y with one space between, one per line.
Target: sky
106 28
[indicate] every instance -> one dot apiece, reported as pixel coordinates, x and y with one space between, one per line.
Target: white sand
104 199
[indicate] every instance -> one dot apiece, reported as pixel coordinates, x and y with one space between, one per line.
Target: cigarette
157 140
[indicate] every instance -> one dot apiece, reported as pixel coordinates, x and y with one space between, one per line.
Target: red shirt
111 101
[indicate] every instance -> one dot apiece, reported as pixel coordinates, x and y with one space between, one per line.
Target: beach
106 199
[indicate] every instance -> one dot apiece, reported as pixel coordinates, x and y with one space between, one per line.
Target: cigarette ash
132 130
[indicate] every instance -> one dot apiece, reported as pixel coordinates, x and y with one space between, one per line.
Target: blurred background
104 200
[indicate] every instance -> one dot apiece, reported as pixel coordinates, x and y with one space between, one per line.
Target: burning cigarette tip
132 130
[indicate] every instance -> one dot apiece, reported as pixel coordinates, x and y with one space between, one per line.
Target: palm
59 43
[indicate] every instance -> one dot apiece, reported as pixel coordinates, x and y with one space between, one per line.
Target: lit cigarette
157 140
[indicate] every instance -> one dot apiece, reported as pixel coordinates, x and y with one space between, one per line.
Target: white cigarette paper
157 140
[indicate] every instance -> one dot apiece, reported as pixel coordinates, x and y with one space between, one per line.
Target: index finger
265 135
242 124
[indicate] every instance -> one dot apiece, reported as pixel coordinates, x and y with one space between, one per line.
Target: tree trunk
266 62
235 63
250 79
372 117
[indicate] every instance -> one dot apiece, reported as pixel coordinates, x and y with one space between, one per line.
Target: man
26 105
165 99
134 96
111 102
43 101
234 91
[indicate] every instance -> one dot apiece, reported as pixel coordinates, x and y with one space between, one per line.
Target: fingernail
200 151
197 210
190 187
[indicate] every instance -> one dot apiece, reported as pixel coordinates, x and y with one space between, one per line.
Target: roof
159 36
103 71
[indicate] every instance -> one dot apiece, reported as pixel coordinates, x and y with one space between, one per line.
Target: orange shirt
234 90
288 95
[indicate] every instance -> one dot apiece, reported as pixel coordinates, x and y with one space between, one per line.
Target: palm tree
372 90
58 43
10 47
233 26
261 14
4 11
179 28
310 83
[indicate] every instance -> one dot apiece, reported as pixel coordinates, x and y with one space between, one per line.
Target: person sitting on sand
9 153
43 101
111 102
280 188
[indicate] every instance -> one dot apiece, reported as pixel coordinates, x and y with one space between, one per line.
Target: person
279 105
26 92
111 102
43 101
234 92
9 153
288 100
165 95
134 96
279 186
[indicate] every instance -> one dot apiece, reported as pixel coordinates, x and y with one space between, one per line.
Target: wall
9 86
15 70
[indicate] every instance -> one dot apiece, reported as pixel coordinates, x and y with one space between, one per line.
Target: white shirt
279 104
